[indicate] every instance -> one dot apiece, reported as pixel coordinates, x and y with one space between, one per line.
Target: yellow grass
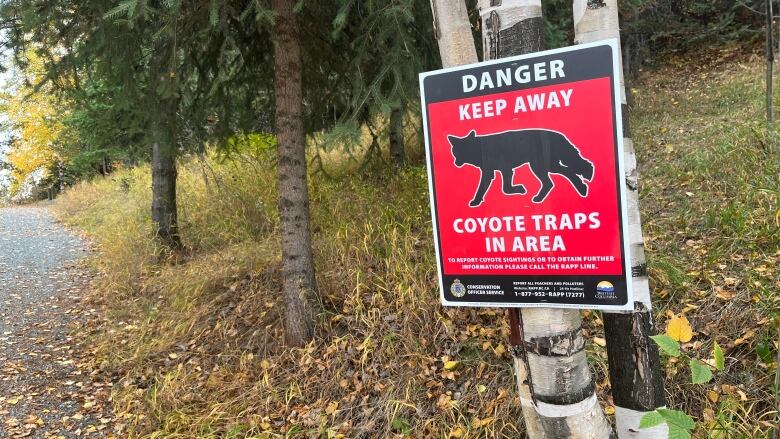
196 339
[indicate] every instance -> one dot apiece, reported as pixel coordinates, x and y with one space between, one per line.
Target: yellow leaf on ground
457 432
451 365
477 423
679 329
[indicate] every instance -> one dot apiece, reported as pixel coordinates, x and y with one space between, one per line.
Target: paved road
46 385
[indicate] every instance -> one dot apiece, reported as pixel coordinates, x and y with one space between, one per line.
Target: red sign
526 179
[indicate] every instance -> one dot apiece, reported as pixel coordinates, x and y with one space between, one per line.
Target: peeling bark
299 286
555 383
634 364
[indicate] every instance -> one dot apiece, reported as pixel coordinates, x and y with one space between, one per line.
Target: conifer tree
387 44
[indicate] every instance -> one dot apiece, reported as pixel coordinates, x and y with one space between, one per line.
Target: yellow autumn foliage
37 117
679 329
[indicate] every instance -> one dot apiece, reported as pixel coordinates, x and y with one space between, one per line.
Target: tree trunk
770 61
555 384
634 364
396 134
299 286
163 129
453 32
164 211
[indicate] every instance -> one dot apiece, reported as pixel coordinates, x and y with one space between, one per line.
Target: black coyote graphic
547 152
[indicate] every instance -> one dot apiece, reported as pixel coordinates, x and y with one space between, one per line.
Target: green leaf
717 353
700 372
667 344
677 418
651 419
764 352
676 432
400 425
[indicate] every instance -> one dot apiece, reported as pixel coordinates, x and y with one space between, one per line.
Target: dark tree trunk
396 135
299 286
635 371
163 130
770 62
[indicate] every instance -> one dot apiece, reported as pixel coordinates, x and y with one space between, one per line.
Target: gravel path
47 385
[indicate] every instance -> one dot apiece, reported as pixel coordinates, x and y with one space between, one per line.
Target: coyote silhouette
547 152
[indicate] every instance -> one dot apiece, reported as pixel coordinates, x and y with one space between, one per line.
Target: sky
5 133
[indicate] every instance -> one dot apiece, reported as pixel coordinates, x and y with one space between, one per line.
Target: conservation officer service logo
457 289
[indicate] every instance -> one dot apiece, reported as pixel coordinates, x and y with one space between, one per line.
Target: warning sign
526 180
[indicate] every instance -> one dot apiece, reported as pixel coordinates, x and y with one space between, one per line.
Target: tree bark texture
634 364
396 136
770 61
299 286
164 146
453 32
555 383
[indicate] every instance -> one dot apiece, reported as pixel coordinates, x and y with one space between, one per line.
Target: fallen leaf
679 329
478 423
457 432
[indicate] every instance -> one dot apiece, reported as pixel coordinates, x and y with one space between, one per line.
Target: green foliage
667 344
680 424
764 352
558 24
653 27
717 354
387 43
700 372
400 425
651 419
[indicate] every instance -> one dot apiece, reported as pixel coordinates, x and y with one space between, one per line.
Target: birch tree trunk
299 286
453 32
555 384
634 365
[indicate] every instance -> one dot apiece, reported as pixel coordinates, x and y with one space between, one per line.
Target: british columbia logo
605 290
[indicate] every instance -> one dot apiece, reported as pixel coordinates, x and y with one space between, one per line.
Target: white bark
555 384
562 386
627 421
453 32
593 21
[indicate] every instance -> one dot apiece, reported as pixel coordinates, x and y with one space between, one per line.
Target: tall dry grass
194 340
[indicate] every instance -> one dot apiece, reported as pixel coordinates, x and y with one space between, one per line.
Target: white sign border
613 43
